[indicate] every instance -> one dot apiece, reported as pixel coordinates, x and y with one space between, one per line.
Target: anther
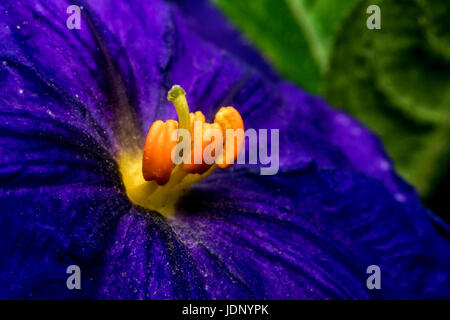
229 119
157 161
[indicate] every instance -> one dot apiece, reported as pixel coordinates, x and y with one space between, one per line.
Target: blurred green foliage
396 80
296 35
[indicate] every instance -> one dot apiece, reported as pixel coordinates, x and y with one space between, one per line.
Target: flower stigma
154 179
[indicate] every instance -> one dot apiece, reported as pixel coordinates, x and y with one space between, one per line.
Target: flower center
179 154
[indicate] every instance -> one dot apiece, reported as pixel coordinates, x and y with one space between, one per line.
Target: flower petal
60 191
146 260
309 234
211 25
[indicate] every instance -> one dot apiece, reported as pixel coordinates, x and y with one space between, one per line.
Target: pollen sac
203 137
197 116
157 161
232 126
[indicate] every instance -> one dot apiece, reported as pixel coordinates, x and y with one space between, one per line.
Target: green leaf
295 35
397 83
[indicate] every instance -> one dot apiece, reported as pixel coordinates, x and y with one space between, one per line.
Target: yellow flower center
151 178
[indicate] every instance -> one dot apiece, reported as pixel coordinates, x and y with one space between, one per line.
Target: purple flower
72 102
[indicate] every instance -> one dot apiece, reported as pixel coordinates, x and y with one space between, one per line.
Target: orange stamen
229 118
157 161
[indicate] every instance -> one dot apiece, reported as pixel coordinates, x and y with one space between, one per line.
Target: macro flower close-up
84 180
